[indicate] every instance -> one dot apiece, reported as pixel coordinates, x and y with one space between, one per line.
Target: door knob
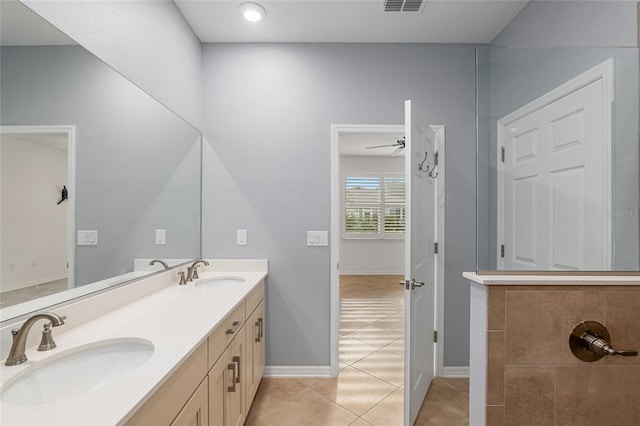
589 341
410 285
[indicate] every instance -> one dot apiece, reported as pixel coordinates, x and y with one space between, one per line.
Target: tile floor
20 295
369 388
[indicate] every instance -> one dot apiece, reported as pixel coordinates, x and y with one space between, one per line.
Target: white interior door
419 261
556 190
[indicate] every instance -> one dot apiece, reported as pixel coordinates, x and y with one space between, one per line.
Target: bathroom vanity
181 354
522 369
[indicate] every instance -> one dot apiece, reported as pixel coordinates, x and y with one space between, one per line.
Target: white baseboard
369 272
297 371
453 372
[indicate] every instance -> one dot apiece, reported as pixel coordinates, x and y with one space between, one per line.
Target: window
374 206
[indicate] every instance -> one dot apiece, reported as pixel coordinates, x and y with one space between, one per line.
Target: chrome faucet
192 271
16 354
154 261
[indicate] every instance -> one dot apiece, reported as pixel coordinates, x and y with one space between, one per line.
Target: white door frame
602 71
338 130
70 132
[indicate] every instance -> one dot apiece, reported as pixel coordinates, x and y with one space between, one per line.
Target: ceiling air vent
402 5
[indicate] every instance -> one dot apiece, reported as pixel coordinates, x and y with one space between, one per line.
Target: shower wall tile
538 324
598 395
622 319
495 368
495 313
532 378
495 415
529 395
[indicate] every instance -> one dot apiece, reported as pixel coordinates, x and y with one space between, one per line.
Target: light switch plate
88 238
317 238
241 237
161 237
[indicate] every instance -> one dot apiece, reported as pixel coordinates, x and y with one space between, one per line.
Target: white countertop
553 279
176 320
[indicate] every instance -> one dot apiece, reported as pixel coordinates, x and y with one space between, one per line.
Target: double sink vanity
150 353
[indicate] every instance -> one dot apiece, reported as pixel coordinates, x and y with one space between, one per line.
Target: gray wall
544 23
268 112
138 164
149 42
520 74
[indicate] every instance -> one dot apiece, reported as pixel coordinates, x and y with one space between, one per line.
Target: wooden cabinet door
255 352
235 396
220 377
196 411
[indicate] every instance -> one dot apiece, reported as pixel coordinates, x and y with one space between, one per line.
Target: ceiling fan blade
382 146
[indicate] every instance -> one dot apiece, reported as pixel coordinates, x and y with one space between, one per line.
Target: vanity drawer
254 298
225 332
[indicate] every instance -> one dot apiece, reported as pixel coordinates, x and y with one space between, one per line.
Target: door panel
419 261
554 186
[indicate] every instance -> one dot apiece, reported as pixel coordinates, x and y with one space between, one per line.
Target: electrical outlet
88 238
161 237
241 237
317 238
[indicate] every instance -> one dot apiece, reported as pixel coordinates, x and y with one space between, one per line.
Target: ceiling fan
400 143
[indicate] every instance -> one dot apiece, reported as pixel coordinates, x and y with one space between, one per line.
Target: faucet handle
183 280
47 342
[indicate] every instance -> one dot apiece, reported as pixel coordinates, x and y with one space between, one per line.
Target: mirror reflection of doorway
36 208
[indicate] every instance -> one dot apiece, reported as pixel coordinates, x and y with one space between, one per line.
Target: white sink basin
76 371
220 282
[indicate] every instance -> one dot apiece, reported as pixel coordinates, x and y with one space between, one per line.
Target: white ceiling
20 26
439 21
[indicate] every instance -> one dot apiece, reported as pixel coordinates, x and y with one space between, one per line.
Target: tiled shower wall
532 376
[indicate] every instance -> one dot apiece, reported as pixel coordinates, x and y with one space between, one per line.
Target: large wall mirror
97 177
557 159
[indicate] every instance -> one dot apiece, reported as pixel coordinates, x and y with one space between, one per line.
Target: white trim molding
297 371
456 372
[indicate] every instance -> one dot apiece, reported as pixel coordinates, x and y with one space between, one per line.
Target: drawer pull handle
236 360
261 322
232 366
257 339
236 325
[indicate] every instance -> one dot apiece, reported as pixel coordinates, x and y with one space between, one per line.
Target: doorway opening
37 211
368 259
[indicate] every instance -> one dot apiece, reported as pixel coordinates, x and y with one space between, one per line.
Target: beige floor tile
449 397
352 350
433 413
348 326
375 336
397 347
384 365
354 389
391 322
360 422
306 408
389 412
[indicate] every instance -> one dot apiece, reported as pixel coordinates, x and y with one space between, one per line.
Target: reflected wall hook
421 164
435 163
64 194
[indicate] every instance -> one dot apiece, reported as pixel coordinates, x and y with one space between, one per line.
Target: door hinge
435 248
435 336
502 154
502 250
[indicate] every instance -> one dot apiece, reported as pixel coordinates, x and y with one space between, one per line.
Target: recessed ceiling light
252 12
